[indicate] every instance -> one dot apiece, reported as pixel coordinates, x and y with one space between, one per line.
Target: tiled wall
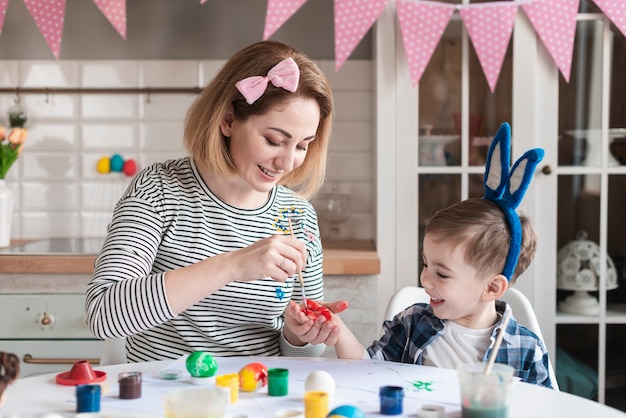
58 191
360 317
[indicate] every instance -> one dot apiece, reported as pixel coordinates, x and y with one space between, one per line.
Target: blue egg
346 411
117 163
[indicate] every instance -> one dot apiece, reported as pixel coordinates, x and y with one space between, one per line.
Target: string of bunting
422 23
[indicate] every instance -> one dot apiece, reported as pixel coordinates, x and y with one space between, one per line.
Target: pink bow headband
285 74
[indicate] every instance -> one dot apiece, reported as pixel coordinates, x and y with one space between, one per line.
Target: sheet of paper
357 384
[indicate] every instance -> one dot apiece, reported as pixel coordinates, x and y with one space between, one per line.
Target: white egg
320 381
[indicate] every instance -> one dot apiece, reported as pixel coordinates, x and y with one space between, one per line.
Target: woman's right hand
278 257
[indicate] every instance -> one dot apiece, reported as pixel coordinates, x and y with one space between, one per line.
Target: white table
358 382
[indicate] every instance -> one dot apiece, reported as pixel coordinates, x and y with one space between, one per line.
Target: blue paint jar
391 398
88 398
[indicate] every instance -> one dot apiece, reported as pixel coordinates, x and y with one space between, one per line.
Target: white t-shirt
457 345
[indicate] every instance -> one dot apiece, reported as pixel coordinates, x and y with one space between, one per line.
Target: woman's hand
278 257
300 329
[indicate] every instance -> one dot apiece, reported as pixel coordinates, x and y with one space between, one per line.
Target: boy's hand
313 310
315 328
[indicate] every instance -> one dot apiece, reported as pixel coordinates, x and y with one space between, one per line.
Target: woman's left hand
300 329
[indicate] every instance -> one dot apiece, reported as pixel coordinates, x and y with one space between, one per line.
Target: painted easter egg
130 167
117 163
104 165
346 411
201 364
252 377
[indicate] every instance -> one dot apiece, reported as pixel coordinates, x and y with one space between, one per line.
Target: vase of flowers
11 143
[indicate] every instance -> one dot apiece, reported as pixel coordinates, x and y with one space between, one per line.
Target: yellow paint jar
315 404
231 382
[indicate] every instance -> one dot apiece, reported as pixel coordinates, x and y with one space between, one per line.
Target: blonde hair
482 228
203 138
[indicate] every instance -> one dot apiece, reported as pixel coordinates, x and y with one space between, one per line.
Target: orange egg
252 377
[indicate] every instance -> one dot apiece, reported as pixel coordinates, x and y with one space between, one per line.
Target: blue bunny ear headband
506 188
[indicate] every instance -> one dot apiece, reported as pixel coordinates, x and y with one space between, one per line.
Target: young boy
472 251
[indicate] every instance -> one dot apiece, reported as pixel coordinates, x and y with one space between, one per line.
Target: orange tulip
17 136
11 149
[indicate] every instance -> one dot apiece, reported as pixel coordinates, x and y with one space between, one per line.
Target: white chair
113 351
403 298
522 310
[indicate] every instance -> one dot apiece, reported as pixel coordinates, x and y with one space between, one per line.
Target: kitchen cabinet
580 184
590 180
47 328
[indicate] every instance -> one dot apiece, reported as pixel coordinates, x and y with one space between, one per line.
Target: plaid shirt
408 333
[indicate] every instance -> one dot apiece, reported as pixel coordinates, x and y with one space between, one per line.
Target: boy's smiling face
458 291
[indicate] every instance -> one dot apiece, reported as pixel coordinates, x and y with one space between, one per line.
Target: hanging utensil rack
103 90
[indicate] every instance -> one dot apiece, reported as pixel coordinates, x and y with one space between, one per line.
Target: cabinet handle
43 360
546 169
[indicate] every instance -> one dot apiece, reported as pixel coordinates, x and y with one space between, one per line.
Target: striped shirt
168 219
407 335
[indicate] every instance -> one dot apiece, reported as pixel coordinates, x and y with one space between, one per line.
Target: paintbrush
300 278
496 345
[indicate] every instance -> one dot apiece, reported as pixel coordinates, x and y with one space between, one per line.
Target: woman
204 252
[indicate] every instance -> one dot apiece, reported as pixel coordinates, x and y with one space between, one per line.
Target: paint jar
485 394
315 404
130 385
88 398
231 382
391 398
277 382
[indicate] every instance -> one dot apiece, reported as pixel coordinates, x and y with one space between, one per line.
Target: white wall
58 191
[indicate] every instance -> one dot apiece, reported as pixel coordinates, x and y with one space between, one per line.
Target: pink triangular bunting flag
616 11
278 12
49 16
3 11
555 23
353 18
421 27
489 27
115 11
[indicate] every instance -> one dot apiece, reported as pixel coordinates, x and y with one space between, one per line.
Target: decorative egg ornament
130 167
346 411
104 165
320 381
117 163
202 368
252 377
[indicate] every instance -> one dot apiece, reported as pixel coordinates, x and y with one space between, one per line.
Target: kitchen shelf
350 257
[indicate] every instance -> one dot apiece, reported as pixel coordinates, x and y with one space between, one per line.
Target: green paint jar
277 382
